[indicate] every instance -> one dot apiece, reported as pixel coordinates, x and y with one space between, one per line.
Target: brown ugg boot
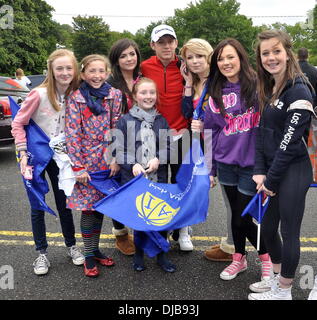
124 241
215 253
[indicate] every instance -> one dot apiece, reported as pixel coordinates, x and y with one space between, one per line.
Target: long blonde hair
197 46
265 79
49 82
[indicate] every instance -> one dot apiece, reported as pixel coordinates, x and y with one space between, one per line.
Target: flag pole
259 223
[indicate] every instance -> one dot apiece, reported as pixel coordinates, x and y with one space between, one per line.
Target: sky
132 15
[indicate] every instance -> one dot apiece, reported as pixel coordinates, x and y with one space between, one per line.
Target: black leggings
242 227
287 208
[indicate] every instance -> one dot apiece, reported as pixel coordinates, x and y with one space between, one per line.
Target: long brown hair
247 76
265 79
49 82
114 55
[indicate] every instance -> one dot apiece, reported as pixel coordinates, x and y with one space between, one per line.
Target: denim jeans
65 215
234 175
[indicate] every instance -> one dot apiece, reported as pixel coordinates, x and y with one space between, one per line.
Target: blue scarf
94 97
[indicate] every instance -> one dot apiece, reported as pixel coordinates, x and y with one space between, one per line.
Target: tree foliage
35 34
28 43
91 35
212 20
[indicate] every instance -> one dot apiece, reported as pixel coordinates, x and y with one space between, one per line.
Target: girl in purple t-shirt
232 117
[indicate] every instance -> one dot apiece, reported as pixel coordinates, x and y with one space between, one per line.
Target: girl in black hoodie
282 166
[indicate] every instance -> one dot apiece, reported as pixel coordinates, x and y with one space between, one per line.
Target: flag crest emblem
153 210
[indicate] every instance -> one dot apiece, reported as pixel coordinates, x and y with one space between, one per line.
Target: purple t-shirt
231 139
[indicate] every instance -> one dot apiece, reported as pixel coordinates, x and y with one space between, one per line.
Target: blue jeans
65 215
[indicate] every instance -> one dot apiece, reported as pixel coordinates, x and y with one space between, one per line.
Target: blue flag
144 205
199 112
40 154
257 207
313 185
102 182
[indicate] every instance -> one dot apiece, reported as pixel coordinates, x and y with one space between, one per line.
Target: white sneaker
276 293
313 292
41 265
264 285
184 241
76 255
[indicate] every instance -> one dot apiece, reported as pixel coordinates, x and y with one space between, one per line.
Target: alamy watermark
6 17
6 277
308 278
169 147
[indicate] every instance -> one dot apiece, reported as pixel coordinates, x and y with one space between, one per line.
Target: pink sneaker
266 266
239 264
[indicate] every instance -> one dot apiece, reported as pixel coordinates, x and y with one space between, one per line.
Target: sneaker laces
41 261
266 268
75 252
233 267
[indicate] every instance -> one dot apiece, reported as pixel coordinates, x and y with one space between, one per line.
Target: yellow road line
48 234
112 245
50 243
110 236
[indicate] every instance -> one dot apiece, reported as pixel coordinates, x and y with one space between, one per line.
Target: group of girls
251 147
259 125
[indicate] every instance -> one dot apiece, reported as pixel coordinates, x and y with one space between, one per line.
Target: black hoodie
282 131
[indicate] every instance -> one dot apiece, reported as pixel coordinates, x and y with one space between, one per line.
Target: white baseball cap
160 31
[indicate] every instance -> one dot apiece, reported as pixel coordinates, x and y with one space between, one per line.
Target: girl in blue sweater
150 129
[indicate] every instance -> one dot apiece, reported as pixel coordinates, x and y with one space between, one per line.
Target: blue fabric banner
40 154
103 183
144 205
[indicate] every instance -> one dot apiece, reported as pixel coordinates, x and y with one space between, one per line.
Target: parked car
36 80
9 87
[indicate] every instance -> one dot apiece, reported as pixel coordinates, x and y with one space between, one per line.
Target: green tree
115 36
313 44
212 20
301 36
91 35
29 42
64 35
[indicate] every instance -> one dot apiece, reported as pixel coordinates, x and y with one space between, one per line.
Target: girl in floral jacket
92 111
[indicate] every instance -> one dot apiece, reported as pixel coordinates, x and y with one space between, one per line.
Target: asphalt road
195 279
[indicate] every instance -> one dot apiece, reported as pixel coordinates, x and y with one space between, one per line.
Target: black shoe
167 267
164 263
138 260
138 267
